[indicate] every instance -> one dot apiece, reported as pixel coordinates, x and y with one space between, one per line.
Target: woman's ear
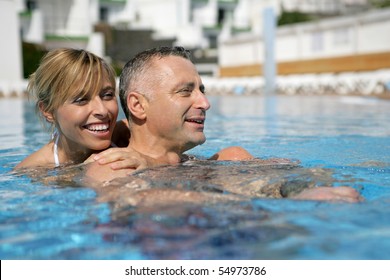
137 104
47 115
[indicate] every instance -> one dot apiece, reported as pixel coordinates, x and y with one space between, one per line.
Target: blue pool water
348 135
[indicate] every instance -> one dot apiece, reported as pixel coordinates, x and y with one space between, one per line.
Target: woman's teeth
98 127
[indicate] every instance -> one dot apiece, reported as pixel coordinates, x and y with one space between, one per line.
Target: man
164 101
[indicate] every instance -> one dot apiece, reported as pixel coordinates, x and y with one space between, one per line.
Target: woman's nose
98 106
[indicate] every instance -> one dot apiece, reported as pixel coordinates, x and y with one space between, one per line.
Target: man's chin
195 142
199 141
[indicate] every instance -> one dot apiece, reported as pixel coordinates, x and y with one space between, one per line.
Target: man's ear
137 104
47 115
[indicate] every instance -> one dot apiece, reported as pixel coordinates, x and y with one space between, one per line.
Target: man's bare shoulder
234 153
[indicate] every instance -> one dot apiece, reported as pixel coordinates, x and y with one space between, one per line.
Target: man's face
176 110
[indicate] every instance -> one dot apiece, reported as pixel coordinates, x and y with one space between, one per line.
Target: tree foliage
32 55
290 17
380 3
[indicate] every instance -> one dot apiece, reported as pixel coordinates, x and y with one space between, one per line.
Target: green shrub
32 55
380 3
293 17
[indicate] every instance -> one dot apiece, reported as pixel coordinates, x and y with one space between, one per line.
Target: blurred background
321 46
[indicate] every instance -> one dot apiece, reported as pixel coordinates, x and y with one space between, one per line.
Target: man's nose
202 101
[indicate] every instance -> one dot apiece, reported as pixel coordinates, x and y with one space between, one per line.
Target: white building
11 70
62 23
194 23
342 54
229 29
55 22
340 37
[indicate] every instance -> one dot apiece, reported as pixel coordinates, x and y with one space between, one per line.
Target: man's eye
185 91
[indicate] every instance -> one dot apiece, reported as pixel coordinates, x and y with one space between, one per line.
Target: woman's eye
80 100
108 95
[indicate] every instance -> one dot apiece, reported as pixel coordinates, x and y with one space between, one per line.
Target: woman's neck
70 153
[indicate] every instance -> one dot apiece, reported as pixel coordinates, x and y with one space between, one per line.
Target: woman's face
87 123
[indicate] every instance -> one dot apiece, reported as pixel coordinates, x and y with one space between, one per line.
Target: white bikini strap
56 135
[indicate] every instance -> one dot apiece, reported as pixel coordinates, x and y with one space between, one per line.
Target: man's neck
158 154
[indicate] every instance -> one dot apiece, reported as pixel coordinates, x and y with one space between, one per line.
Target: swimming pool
348 135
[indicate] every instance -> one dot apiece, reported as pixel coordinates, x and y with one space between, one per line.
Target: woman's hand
121 158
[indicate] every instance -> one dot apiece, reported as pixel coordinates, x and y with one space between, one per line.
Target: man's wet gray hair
134 77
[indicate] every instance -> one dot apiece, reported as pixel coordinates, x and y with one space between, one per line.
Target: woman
75 94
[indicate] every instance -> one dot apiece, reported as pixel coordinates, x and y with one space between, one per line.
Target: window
317 41
103 15
341 36
31 5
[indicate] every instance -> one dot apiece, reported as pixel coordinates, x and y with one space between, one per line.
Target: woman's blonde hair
67 73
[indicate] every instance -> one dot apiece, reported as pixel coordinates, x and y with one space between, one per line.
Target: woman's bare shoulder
41 158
